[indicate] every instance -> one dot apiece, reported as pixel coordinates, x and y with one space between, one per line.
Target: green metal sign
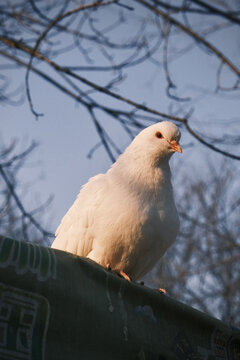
57 306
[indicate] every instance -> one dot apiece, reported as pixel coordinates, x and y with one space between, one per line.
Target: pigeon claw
120 273
109 267
124 275
162 291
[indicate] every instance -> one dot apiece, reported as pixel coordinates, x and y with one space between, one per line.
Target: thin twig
170 84
184 121
99 88
201 140
216 11
45 32
19 204
193 34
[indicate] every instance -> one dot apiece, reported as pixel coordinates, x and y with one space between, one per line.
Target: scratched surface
54 305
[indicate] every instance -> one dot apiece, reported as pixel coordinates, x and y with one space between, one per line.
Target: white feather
127 217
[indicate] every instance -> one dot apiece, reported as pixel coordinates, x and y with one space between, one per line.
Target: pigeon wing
75 233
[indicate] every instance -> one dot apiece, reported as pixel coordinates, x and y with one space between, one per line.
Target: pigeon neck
141 175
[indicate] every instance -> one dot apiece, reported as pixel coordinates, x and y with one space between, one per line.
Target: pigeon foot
120 273
163 291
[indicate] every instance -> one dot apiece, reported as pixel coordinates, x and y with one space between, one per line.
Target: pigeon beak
175 146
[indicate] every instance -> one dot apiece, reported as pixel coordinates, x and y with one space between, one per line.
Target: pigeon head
159 141
150 150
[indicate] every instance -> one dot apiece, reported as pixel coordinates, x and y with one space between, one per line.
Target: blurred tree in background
93 52
202 268
15 220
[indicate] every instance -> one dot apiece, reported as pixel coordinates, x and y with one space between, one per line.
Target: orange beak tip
176 147
180 149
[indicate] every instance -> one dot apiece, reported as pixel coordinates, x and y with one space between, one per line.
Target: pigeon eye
159 135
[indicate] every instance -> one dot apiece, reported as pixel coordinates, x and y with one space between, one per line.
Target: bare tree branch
214 10
43 35
105 90
12 191
193 34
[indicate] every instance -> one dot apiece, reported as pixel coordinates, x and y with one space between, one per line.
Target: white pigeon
126 218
